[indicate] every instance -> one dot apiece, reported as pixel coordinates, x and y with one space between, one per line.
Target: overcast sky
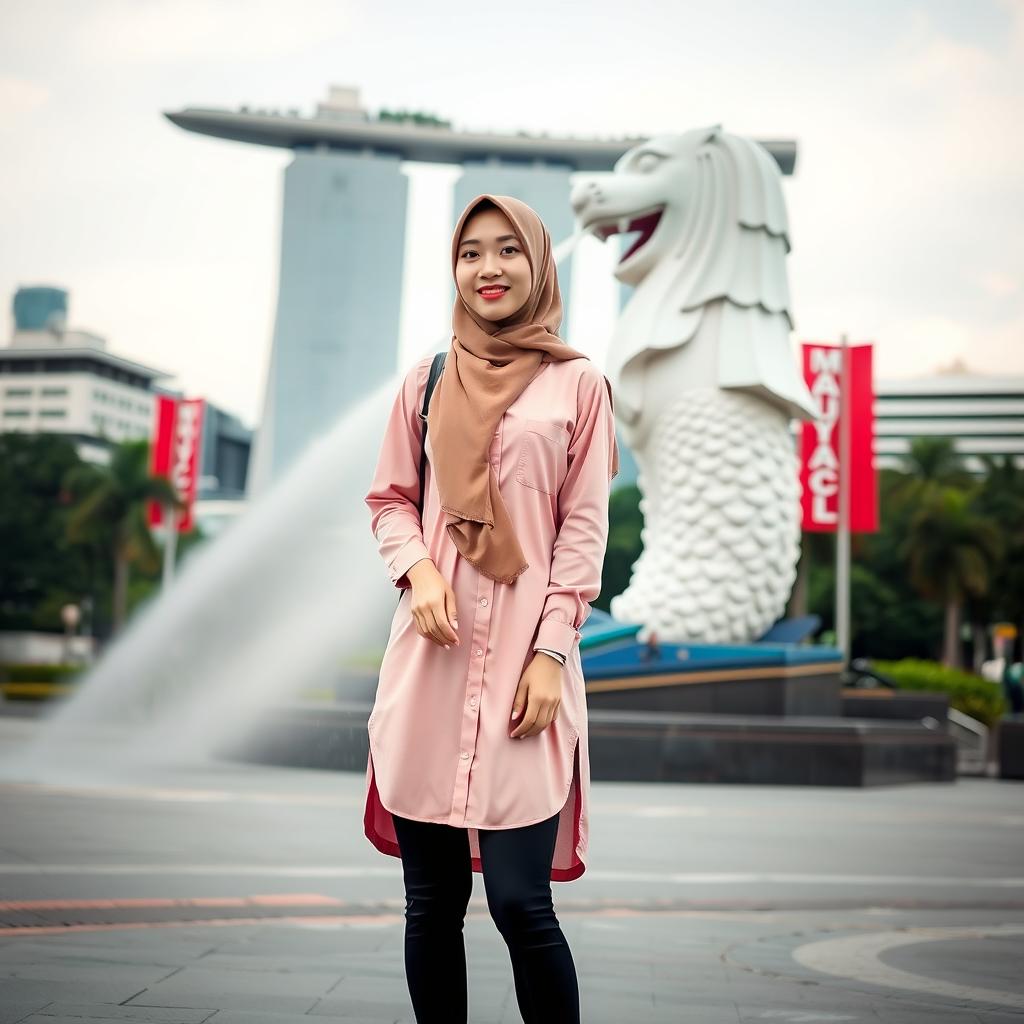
906 209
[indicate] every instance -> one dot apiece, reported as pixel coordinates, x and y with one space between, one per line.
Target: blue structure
40 308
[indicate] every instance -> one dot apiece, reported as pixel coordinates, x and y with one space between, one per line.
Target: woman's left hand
538 697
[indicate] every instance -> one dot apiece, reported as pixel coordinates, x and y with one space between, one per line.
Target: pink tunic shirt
440 748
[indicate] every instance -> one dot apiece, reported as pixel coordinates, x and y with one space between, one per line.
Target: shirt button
479 652
483 601
472 702
464 755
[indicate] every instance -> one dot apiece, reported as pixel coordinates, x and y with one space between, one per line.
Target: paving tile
909 1015
127 977
38 1018
87 1012
40 991
237 990
367 997
804 1014
15 1008
253 1017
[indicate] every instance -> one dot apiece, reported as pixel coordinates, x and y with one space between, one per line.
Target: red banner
174 453
828 379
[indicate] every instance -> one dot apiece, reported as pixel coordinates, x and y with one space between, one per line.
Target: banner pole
842 596
170 544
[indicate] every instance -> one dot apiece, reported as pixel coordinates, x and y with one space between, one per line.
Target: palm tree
935 460
951 552
1000 498
112 501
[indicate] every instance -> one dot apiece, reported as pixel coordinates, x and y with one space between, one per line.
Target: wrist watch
558 656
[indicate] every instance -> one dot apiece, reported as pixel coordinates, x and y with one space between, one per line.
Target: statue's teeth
623 225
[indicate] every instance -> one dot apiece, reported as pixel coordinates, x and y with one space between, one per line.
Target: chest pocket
543 455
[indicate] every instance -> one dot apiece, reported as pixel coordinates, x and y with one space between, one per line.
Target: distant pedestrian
1013 685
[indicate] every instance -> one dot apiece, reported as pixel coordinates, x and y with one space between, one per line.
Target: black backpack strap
435 371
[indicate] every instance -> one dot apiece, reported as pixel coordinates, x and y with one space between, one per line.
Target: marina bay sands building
343 236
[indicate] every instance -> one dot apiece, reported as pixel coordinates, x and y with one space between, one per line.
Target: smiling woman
478 754
493 274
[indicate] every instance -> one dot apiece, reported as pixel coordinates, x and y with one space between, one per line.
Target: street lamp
70 615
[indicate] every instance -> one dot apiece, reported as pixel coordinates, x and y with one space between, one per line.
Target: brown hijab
487 367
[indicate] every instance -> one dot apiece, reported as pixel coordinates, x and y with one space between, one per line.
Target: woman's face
491 255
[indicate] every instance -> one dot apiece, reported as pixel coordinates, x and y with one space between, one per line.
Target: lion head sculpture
712 226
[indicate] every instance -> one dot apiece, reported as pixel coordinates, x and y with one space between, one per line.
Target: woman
478 734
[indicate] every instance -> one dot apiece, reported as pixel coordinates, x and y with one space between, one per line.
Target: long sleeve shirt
439 730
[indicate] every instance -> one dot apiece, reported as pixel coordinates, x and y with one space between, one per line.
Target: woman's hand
540 693
433 604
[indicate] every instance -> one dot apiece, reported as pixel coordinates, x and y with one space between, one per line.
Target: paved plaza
238 894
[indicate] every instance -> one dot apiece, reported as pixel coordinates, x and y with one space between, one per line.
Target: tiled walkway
233 894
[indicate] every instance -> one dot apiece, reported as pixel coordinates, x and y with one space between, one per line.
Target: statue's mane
736 235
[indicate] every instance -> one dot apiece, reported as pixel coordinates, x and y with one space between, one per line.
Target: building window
53 413
15 414
52 392
18 392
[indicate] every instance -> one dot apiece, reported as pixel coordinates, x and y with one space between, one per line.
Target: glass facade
339 299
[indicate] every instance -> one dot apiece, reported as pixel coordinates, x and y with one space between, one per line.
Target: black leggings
517 879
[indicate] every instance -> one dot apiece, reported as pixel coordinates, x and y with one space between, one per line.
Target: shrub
36 673
35 681
968 693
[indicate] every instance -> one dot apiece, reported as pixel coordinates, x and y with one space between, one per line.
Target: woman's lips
492 293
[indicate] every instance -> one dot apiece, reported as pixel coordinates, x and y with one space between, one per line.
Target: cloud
113 32
920 345
20 97
996 283
908 203
971 99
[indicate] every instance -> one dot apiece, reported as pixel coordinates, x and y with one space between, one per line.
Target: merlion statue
705 381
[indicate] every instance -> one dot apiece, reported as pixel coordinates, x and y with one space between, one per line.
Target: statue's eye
647 162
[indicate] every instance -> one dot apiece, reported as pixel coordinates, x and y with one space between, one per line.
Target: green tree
624 546
934 504
40 570
1000 498
111 503
935 461
951 552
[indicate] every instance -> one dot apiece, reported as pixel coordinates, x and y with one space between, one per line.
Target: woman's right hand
433 604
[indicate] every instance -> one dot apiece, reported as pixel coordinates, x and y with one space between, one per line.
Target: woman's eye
471 252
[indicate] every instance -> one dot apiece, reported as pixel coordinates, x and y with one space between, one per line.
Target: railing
972 743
